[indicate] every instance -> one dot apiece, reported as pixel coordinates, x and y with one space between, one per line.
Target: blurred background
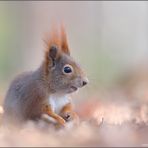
108 38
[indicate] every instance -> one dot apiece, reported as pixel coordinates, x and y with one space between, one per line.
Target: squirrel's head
63 73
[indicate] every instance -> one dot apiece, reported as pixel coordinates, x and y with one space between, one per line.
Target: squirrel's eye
67 69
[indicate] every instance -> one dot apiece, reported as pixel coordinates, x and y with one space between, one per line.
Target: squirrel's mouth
72 89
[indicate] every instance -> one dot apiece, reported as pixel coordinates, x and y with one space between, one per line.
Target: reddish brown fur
58 39
64 43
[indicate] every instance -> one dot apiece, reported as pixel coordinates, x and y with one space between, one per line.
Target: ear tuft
64 43
58 39
52 38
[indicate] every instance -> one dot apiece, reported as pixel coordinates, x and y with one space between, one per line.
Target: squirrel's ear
64 43
53 54
53 51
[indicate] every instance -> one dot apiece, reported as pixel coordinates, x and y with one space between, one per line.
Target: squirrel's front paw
69 116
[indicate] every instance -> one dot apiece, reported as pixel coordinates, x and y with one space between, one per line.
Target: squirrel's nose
84 82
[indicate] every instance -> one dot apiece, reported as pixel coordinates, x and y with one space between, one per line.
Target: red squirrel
46 90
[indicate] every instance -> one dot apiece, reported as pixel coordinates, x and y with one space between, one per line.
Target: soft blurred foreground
109 39
103 123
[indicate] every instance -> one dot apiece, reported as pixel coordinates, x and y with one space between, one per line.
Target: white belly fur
58 102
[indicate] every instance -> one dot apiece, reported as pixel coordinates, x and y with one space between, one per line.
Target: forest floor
103 123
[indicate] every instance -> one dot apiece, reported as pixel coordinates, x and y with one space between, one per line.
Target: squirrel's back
24 94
